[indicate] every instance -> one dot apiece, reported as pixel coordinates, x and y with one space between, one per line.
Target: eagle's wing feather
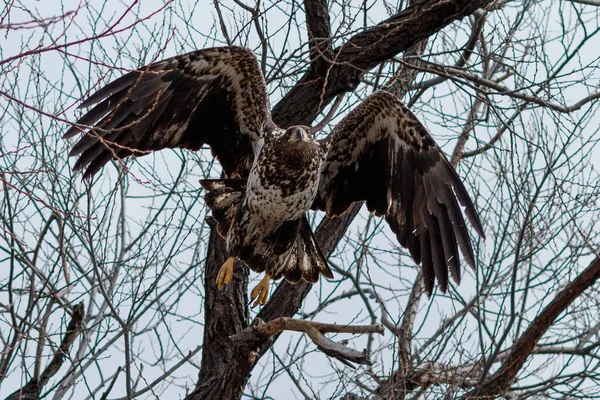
382 154
214 96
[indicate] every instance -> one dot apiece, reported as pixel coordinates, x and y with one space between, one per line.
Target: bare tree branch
500 382
477 27
454 74
33 388
366 50
259 331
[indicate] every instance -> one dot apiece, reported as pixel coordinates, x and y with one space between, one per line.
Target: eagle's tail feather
224 197
309 254
305 259
292 252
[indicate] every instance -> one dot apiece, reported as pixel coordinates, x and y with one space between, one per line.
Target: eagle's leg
225 273
261 292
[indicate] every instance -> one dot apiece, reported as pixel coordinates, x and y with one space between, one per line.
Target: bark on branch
319 35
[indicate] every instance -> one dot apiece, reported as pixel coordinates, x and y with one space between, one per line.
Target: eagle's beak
302 136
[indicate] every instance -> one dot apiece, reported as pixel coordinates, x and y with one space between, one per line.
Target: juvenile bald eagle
379 153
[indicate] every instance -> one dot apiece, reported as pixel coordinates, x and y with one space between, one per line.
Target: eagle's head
296 149
298 133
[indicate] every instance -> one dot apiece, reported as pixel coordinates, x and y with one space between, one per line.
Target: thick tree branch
319 34
365 51
33 388
587 2
260 330
468 376
500 382
226 368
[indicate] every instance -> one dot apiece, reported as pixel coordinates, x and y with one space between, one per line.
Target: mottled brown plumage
382 154
203 97
379 153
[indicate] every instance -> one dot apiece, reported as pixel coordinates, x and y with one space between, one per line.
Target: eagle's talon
260 293
225 273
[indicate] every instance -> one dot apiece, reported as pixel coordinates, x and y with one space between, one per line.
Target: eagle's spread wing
381 153
212 96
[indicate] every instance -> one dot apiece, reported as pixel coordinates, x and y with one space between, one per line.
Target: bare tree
107 288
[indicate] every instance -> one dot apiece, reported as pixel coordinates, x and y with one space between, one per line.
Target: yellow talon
260 293
225 273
